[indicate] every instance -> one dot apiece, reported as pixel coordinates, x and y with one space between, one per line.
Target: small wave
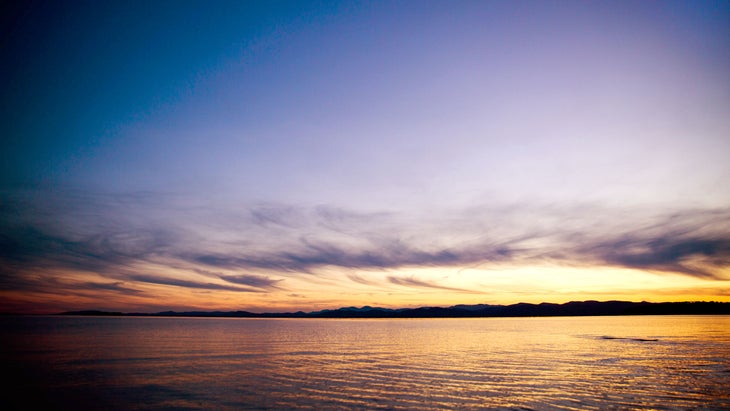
608 337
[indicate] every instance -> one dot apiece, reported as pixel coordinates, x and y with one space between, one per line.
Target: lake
558 363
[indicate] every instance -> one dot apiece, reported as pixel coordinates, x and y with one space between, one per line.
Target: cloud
275 215
188 284
358 279
252 280
256 281
692 256
412 282
113 235
117 287
100 252
311 256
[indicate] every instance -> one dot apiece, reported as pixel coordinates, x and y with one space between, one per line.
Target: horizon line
458 309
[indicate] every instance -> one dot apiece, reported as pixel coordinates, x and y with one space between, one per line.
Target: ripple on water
556 364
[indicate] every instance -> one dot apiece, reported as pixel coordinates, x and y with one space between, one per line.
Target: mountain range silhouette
573 308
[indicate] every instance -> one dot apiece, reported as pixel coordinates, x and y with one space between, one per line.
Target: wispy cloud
237 247
117 287
252 280
693 256
414 282
256 281
153 279
360 280
311 255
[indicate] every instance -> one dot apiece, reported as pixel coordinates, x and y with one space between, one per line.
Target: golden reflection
635 362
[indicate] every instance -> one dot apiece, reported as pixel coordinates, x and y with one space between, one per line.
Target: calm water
580 363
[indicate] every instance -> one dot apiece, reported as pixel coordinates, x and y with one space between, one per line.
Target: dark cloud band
293 241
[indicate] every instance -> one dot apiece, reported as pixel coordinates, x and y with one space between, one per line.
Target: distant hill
573 308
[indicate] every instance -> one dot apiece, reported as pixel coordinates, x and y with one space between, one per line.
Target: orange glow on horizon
333 287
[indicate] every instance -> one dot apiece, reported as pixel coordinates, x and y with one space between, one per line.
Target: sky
302 155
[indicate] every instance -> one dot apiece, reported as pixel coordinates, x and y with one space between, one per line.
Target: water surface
562 363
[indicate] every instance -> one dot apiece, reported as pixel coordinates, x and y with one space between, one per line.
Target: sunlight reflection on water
578 363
